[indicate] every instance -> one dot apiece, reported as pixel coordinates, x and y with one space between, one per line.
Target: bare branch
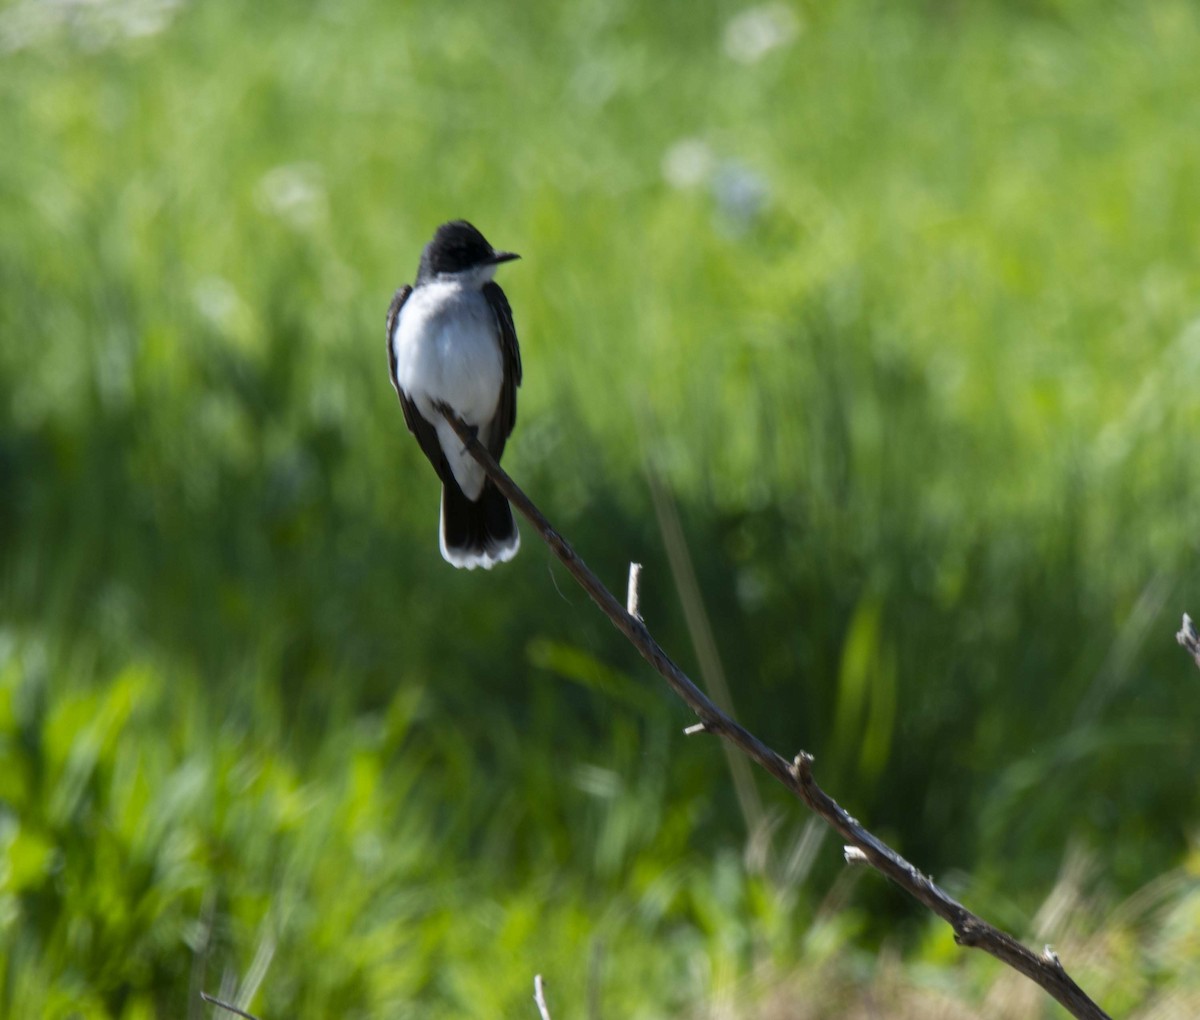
969 929
225 1005
539 996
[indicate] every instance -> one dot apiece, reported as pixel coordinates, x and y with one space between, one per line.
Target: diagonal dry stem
969 930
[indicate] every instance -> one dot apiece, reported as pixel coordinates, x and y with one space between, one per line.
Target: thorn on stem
700 727
802 767
854 855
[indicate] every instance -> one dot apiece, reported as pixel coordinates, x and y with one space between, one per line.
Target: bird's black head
458 246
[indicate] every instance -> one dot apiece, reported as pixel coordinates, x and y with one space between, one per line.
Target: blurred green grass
898 300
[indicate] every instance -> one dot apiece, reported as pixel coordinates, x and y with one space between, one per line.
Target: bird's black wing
510 352
424 431
393 317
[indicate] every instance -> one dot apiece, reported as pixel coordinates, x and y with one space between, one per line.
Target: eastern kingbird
451 341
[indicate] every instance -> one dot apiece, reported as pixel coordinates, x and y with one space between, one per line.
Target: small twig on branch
225 1005
633 596
1189 638
539 996
969 929
854 856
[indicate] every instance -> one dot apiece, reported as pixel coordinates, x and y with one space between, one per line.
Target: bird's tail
477 533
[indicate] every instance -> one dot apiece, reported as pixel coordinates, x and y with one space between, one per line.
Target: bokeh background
872 329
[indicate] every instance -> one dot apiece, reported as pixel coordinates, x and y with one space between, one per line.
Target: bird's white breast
447 350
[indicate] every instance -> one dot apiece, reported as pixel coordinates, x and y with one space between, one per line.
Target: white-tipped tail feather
476 533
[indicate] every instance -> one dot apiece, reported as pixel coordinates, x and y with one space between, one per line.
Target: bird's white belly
448 351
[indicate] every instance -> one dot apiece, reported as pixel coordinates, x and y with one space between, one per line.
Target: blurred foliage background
894 307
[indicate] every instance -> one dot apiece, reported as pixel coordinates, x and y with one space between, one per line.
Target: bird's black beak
504 256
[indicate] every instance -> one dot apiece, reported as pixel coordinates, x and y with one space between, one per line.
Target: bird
452 344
